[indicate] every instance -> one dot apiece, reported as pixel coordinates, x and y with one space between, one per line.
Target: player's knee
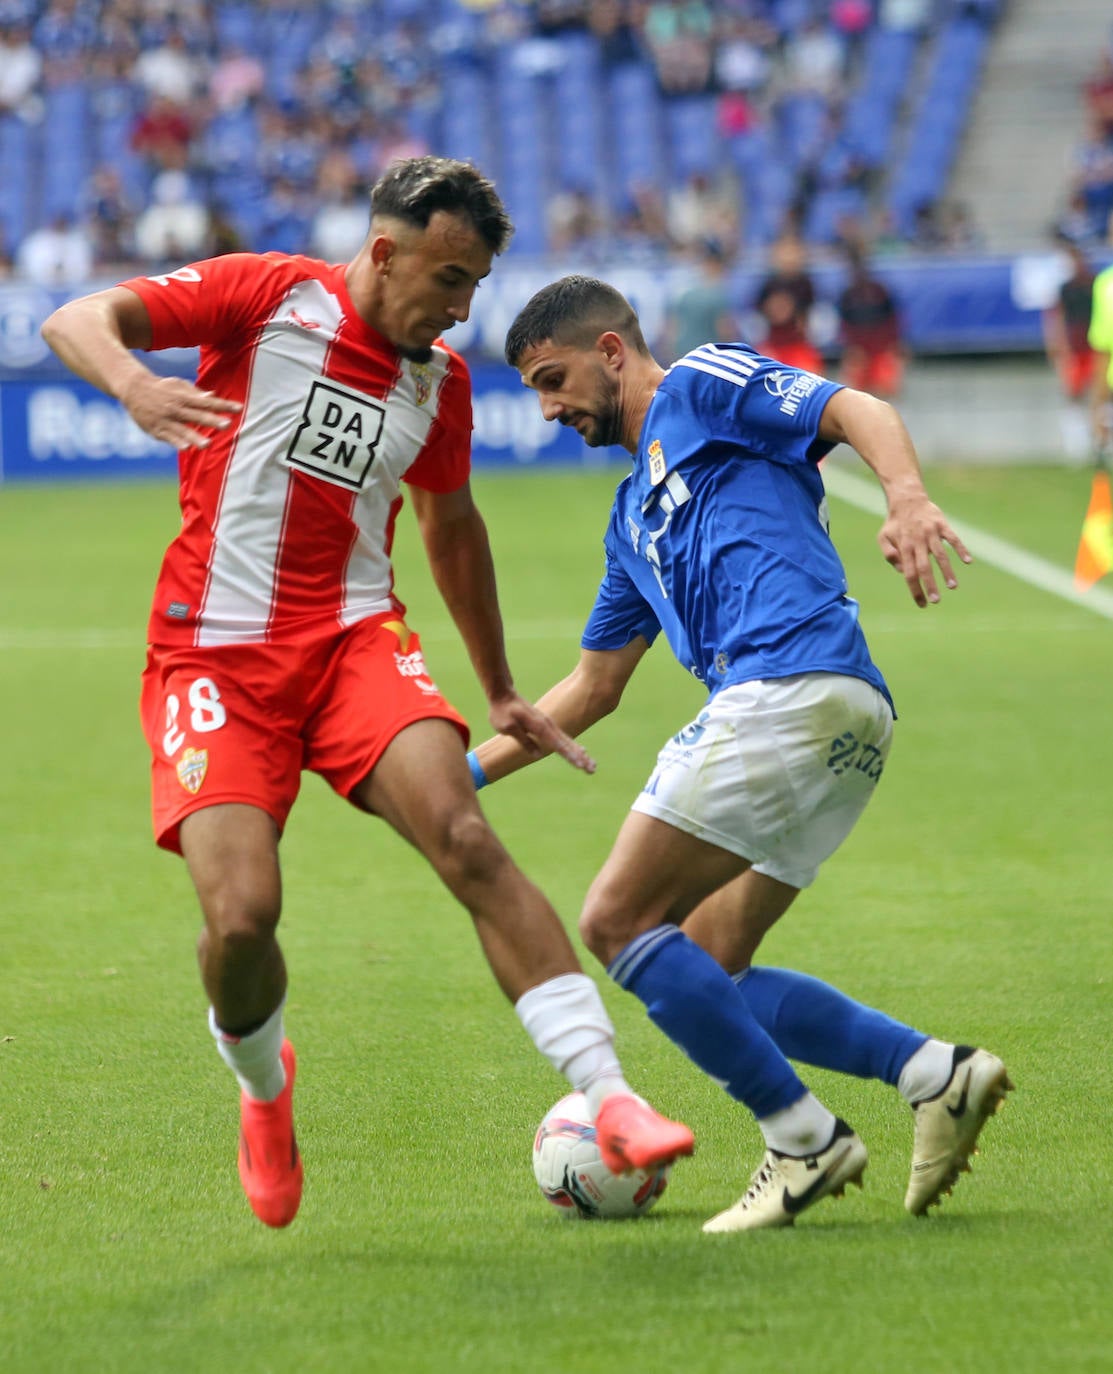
469 856
238 921
605 926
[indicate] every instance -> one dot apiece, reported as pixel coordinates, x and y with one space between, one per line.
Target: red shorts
801 355
1076 373
240 722
881 374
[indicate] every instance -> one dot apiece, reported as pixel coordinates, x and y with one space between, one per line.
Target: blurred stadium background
958 144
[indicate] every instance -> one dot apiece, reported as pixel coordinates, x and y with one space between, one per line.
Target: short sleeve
620 612
444 461
205 303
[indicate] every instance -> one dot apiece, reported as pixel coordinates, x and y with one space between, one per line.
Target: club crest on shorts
192 767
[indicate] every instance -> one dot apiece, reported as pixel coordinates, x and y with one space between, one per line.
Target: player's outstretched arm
915 531
591 691
94 336
459 554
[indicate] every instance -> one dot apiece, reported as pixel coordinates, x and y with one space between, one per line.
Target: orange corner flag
1095 548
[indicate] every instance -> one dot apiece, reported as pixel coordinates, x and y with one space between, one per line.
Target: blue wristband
478 776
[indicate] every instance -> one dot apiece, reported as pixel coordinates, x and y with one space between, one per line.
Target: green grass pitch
973 900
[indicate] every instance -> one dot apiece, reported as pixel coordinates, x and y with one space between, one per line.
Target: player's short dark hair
573 312
415 188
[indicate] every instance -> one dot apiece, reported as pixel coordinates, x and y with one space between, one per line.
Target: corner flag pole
1095 546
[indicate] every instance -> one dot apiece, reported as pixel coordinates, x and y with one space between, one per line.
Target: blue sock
814 1023
690 997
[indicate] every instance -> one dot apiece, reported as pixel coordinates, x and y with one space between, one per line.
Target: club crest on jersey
657 464
338 434
422 374
192 767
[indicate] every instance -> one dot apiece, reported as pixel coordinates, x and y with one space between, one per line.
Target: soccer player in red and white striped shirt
277 641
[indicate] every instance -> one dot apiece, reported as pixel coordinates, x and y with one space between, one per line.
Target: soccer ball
571 1174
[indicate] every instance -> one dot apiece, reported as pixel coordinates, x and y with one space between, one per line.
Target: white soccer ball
571 1174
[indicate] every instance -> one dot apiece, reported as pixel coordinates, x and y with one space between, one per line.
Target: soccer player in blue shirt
718 538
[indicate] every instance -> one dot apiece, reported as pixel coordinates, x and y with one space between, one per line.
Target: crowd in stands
1084 218
163 130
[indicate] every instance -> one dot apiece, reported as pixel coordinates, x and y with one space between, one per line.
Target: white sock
802 1129
254 1058
927 1072
566 1020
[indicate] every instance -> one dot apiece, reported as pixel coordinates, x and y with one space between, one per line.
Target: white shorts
776 771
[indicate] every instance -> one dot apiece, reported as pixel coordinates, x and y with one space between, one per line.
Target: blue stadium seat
524 127
237 25
871 110
579 114
939 120
692 134
19 153
635 127
466 127
114 111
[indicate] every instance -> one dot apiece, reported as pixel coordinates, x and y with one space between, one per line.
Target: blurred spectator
109 215
851 19
742 53
928 233
910 16
611 24
162 134
1075 224
959 231
703 209
1098 93
286 219
869 329
174 228
169 71
290 144
642 229
575 227
1092 174
339 225
784 301
559 16
814 60
236 80
700 313
679 36
58 255
65 34
979 11
1066 327
21 67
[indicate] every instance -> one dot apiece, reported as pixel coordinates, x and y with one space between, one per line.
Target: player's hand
914 533
177 412
536 733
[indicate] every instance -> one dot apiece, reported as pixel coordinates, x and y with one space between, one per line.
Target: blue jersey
719 534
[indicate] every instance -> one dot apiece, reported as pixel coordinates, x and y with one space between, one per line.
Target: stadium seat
692 135
466 128
635 123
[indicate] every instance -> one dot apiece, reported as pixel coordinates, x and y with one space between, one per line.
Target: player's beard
606 422
416 355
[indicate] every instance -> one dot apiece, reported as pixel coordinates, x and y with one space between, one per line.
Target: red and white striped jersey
288 515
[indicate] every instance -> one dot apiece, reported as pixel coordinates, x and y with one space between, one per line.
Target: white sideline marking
998 553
